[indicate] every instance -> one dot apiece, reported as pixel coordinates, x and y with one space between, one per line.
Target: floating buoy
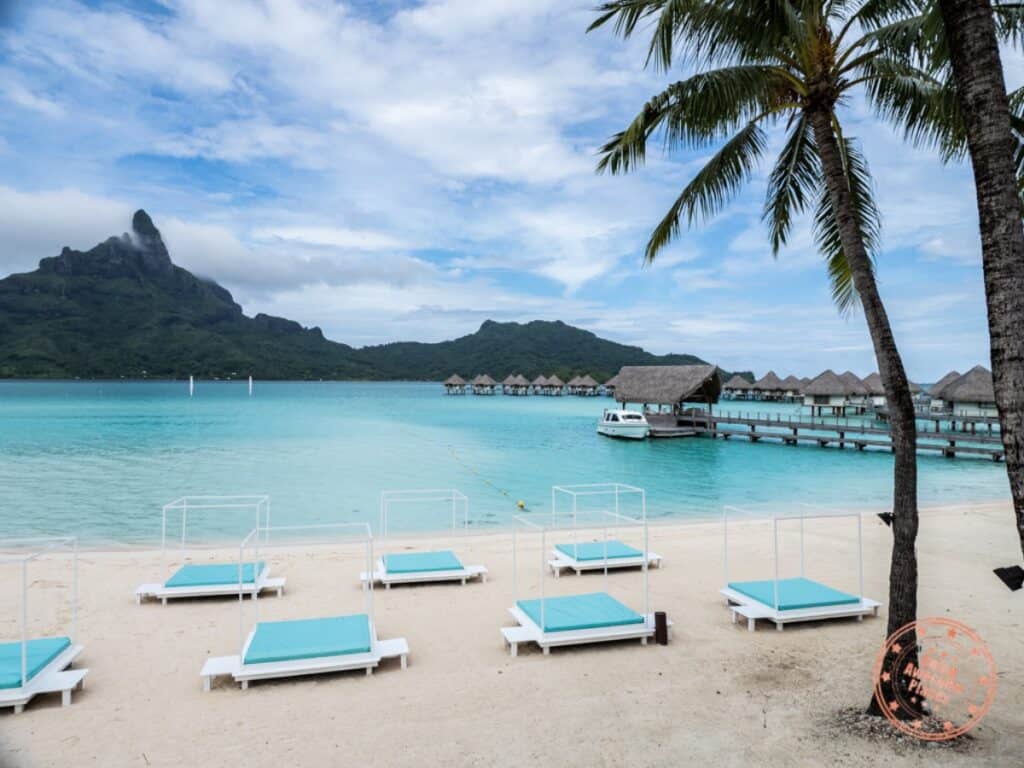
520 504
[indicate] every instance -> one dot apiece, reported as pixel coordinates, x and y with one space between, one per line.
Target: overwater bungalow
587 386
521 385
971 394
610 385
876 392
938 404
768 387
830 394
455 385
792 389
555 386
539 384
573 383
484 385
859 400
670 387
736 388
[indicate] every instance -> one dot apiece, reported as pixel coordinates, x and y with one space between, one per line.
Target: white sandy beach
716 695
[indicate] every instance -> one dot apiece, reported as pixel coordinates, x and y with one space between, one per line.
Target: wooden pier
841 433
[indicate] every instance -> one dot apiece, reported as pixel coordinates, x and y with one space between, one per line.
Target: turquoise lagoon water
99 459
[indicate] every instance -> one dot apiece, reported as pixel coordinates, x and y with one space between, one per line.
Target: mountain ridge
123 309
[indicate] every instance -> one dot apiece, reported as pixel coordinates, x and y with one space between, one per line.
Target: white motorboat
628 424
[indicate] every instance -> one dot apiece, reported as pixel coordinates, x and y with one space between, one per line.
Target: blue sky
403 171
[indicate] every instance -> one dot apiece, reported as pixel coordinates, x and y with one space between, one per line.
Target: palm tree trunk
903 568
971 34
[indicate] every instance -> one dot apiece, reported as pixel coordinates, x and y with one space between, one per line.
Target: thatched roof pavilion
510 380
539 383
483 380
941 384
975 386
455 385
791 384
588 381
855 383
574 381
836 394
521 381
515 384
612 383
768 383
873 382
554 381
827 383
737 382
668 384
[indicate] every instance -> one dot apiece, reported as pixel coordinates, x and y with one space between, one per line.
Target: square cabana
420 566
184 578
32 665
337 639
616 612
787 597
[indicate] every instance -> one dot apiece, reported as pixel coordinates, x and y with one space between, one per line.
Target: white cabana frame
258 505
260 540
743 606
528 631
56 676
456 505
617 494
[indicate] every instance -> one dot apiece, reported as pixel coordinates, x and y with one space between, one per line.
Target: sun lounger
47 665
574 620
306 647
422 567
211 580
799 599
590 556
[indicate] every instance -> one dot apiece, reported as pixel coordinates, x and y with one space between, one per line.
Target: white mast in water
250 385
191 385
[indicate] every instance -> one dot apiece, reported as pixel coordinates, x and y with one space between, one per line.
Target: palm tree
951 94
789 64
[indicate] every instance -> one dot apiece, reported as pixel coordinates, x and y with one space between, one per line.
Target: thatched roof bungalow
736 388
671 385
572 384
830 393
555 386
768 387
538 384
611 384
455 385
484 385
973 394
792 388
876 390
515 384
586 386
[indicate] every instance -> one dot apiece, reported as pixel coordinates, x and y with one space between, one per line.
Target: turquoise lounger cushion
590 611
594 550
211 575
417 562
794 594
309 638
40 653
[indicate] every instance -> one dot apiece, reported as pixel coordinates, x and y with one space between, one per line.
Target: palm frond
791 185
713 186
705 108
826 225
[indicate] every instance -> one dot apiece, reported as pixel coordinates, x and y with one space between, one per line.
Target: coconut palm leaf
792 183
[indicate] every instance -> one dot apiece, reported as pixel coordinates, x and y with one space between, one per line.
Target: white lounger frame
55 677
560 560
242 673
259 504
745 607
459 520
528 631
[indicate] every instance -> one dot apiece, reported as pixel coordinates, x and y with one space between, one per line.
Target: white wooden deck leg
463 582
779 625
19 708
750 624
163 600
735 617
547 650
643 641
245 685
280 591
860 617
513 649
65 698
557 570
875 610
405 661
138 599
369 671
206 684
387 585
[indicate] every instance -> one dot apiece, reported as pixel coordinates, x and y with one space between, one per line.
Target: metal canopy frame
260 537
607 520
258 503
458 500
775 520
36 548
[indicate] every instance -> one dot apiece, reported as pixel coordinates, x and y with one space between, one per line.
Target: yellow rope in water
455 455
